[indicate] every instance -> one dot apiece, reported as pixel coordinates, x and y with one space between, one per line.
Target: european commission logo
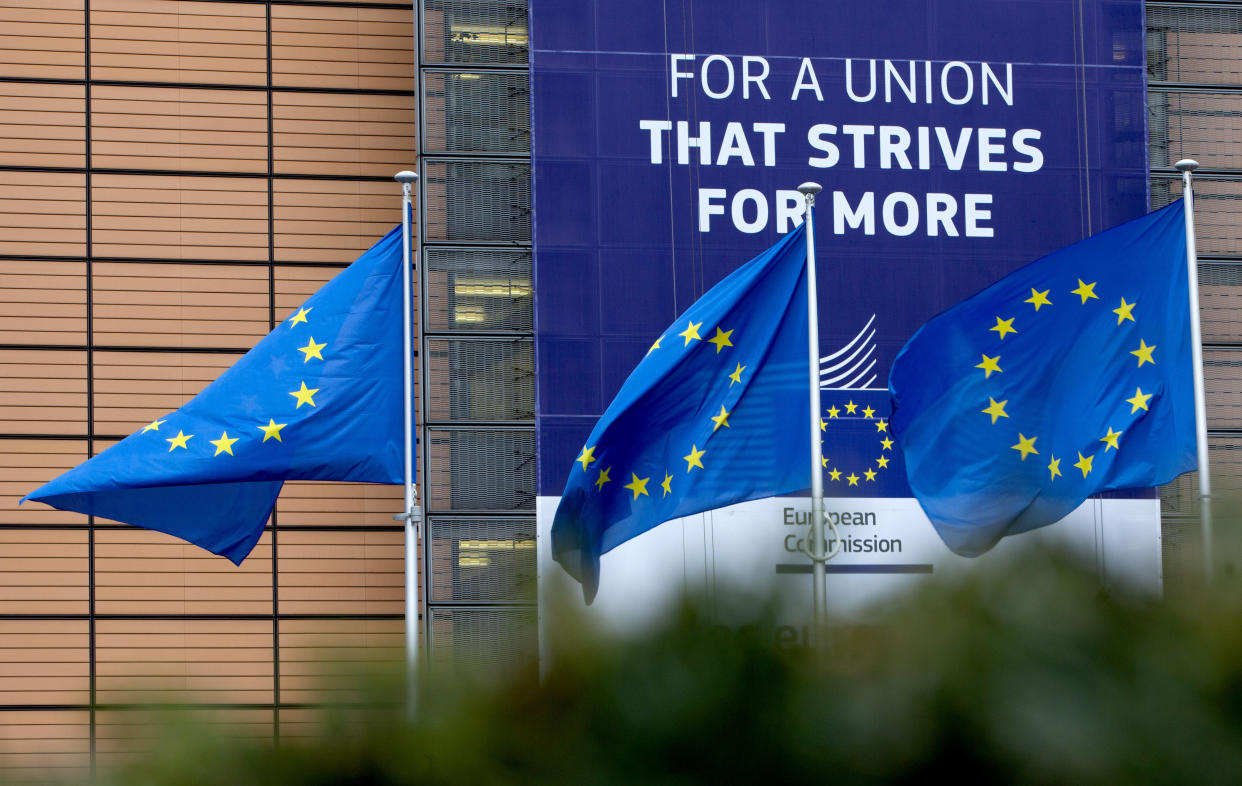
860 458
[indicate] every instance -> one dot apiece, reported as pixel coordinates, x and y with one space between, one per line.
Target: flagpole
818 550
1186 166
411 514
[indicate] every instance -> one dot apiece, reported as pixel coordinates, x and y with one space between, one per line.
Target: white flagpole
411 514
818 550
1186 166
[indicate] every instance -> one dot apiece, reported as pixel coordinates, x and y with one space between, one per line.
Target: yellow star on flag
852 478
868 413
300 316
152 426
603 478
179 440
637 485
823 426
311 350
1025 446
881 425
721 339
833 412
1084 463
1143 353
654 346
870 474
1038 299
1139 401
887 443
851 408
272 430
304 396
996 409
1003 327
722 419
736 376
835 474
1123 311
695 459
1054 468
586 457
667 485
1111 439
224 444
691 333
989 365
882 462
824 462
1086 292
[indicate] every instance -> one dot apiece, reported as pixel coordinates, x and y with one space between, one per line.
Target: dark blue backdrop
618 247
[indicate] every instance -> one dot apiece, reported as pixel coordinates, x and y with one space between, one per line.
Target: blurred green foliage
1027 674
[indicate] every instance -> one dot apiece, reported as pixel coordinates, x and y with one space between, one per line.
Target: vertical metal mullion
420 430
90 381
271 325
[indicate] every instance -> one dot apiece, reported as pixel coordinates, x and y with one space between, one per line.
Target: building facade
178 176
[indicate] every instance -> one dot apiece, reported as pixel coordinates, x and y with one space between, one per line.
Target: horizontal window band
1202 173
1221 88
464 65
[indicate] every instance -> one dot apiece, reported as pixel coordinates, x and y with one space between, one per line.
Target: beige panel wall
151 229
171 41
42 125
179 129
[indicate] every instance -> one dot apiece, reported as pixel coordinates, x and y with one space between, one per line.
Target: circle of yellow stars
991 364
851 410
302 396
638 487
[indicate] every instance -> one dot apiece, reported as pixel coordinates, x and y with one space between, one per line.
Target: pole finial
405 176
810 189
1186 165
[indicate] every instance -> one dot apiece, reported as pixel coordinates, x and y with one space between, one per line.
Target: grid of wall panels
176 177
477 419
1194 68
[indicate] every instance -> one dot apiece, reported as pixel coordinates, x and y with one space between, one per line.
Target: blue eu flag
1071 376
320 398
718 412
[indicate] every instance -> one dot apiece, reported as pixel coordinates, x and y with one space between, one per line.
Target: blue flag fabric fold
319 398
717 413
1071 376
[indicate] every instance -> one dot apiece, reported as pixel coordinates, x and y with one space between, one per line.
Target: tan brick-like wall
175 178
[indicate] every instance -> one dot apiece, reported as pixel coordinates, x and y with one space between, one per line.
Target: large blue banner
955 141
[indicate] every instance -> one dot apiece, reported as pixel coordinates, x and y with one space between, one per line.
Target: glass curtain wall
477 425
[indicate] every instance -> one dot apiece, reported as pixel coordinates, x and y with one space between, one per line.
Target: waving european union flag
320 398
716 413
1071 376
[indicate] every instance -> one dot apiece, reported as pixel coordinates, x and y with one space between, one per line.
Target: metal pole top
810 189
1186 165
406 176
